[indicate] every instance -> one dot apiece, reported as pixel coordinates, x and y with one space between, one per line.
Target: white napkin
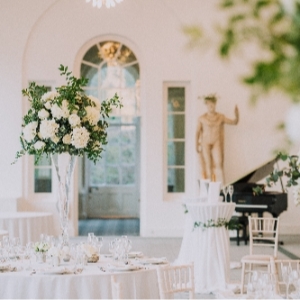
204 183
214 191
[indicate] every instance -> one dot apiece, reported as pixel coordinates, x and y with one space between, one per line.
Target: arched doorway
111 188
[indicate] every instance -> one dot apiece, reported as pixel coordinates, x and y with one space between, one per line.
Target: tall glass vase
64 166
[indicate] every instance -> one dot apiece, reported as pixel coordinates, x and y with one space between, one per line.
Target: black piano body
246 202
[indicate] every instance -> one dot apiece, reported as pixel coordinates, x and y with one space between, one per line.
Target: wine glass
98 243
225 192
91 236
230 191
112 247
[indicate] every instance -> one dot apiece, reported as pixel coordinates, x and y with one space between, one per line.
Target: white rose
48 129
96 101
39 145
67 139
50 96
43 114
55 139
48 105
29 131
80 137
74 120
92 115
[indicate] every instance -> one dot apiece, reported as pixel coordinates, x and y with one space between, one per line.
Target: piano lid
258 173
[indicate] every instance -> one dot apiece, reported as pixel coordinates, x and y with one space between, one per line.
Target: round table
27 225
207 247
92 283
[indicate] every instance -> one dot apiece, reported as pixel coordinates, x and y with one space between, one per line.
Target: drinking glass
225 192
112 247
91 236
98 243
5 242
230 191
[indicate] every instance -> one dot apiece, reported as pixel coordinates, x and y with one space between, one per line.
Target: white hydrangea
56 111
43 114
39 145
74 120
67 139
49 96
41 247
92 115
96 101
60 112
80 137
48 129
29 131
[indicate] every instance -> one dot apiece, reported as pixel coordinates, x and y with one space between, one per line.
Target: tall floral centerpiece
65 124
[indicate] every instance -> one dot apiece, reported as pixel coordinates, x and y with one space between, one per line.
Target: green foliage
221 222
274 31
291 172
48 127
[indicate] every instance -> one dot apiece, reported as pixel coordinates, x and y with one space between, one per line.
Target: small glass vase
64 165
41 257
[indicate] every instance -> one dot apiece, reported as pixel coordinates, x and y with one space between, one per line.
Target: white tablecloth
3 233
27 225
207 248
90 284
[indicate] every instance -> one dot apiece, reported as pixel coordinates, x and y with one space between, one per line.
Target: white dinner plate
153 261
107 255
53 271
123 268
135 254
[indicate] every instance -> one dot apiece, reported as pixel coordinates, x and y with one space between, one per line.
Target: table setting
75 271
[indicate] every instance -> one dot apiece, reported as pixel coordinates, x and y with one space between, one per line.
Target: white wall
44 34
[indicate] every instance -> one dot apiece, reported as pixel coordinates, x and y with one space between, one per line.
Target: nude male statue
210 139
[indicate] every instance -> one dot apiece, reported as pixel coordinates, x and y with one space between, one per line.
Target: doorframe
76 71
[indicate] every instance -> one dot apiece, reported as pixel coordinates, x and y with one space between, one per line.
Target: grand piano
270 201
247 203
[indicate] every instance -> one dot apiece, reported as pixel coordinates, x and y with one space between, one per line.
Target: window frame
29 182
174 196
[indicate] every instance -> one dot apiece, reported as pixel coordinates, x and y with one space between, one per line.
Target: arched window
112 67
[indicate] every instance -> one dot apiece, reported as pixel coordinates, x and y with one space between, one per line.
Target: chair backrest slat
263 232
179 278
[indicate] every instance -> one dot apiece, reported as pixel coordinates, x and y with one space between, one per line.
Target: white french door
113 183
